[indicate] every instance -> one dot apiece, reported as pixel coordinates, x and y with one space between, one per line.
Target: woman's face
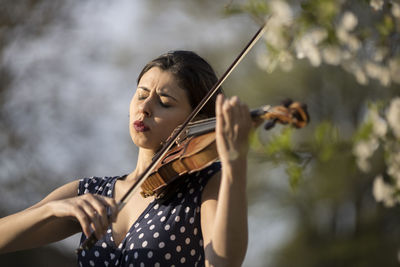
157 108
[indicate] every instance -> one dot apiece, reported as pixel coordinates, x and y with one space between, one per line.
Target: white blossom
394 68
332 55
378 72
349 21
393 116
376 4
363 150
281 13
307 45
383 192
396 10
379 125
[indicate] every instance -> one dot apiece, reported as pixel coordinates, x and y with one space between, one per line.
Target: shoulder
97 185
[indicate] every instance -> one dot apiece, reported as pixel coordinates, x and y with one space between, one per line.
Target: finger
218 112
226 112
110 202
94 218
100 206
83 219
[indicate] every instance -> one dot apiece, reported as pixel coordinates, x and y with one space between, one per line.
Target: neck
145 157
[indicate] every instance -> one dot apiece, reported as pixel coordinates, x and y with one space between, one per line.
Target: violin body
193 154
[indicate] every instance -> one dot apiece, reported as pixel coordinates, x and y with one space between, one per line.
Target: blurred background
325 195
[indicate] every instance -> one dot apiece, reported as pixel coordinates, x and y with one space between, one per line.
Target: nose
145 107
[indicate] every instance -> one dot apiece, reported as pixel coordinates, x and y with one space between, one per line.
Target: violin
195 148
192 147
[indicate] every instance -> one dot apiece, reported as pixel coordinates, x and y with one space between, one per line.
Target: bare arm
56 217
224 200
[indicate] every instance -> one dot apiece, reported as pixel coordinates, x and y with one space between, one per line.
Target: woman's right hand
90 210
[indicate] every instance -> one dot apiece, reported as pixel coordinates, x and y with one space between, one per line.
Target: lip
140 126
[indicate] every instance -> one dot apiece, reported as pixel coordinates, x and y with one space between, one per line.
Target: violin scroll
289 112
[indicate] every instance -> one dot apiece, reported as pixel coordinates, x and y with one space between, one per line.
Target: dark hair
193 73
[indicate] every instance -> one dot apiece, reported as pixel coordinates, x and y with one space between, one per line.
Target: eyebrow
161 93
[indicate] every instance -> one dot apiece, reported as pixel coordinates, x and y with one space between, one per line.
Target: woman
201 220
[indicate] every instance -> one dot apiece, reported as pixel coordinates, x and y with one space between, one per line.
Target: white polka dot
173 211
96 253
131 246
91 263
210 171
180 195
187 241
80 264
109 230
191 191
191 220
195 199
131 265
137 230
162 218
144 244
201 243
96 187
100 188
135 255
161 245
159 213
167 256
172 237
86 185
106 263
108 184
112 255
111 238
178 248
193 252
146 216
187 209
152 227
109 192
127 234
195 231
149 221
156 206
182 229
83 253
183 260
86 191
156 264
126 258
104 245
150 254
120 245
177 218
198 209
136 225
141 264
156 234
167 227
141 236
116 263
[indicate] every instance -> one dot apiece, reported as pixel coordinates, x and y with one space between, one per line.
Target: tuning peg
287 102
270 124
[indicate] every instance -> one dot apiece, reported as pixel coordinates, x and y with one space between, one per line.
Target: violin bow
91 240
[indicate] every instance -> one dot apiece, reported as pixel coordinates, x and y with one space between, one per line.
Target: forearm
230 230
32 228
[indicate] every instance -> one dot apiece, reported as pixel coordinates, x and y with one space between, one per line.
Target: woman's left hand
232 129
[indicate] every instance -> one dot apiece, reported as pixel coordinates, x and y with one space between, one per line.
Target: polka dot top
166 233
